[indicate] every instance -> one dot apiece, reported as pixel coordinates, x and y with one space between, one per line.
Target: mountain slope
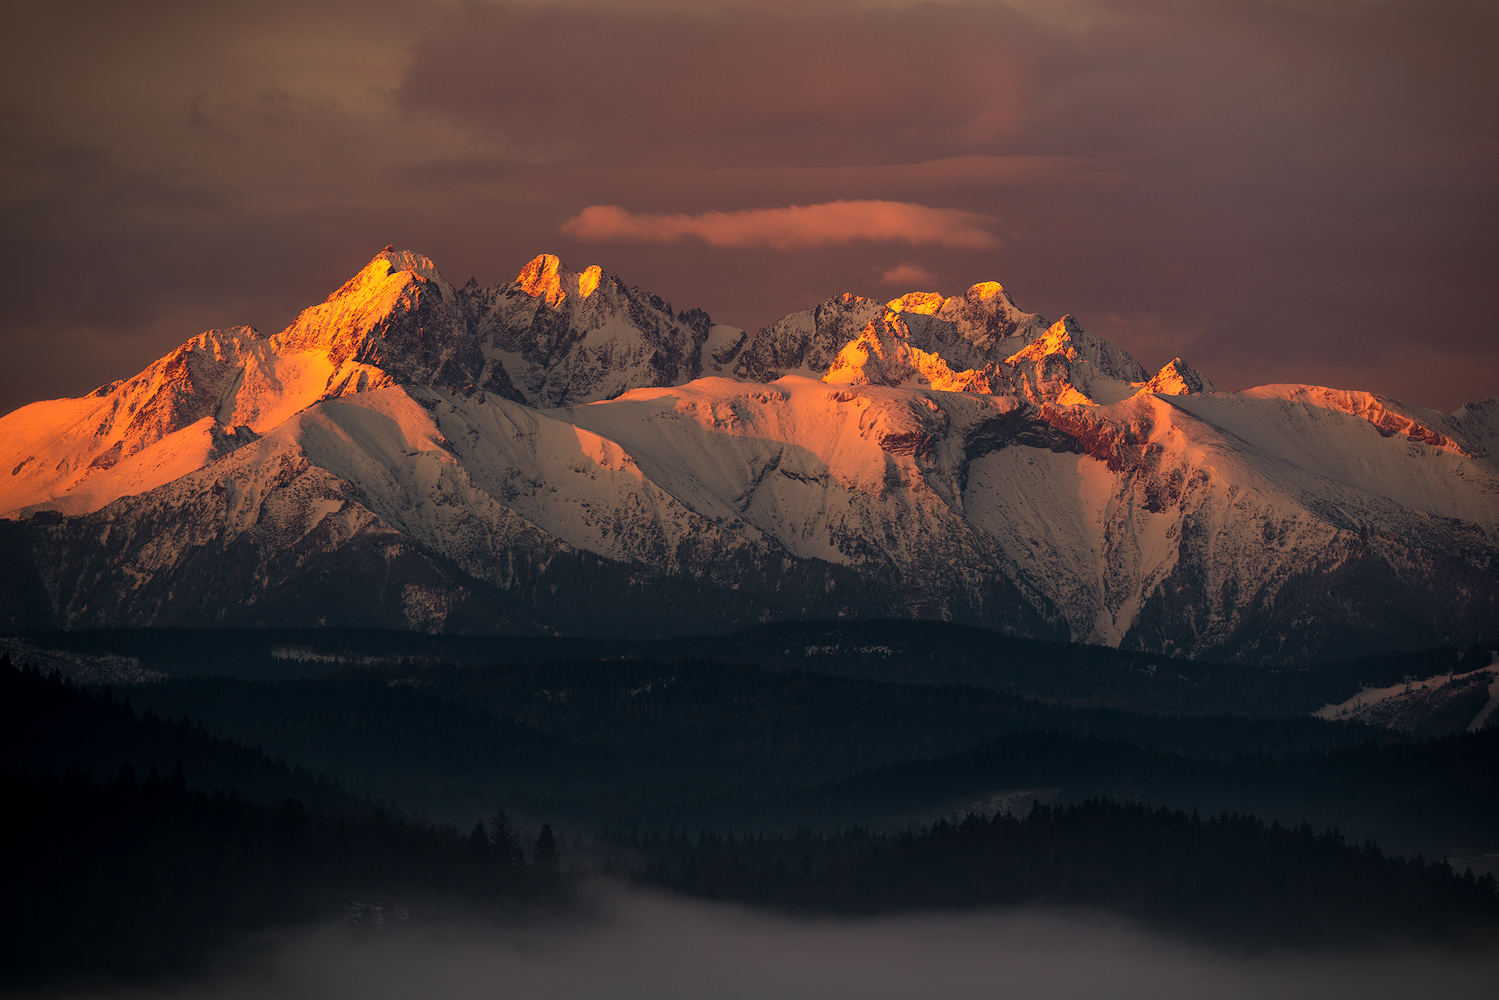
558 454
397 322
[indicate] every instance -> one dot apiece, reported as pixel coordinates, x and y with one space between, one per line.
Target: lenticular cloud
797 227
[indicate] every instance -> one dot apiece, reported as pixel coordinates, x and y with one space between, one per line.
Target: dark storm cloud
1284 191
832 85
166 167
1280 191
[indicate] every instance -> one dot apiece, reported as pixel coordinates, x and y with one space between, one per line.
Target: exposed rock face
1178 379
412 455
572 338
806 343
981 326
569 338
397 315
977 342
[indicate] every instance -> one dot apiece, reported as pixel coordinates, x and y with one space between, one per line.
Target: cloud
1294 191
908 274
818 83
797 227
637 946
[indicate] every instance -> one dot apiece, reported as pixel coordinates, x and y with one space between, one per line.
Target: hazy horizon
1275 191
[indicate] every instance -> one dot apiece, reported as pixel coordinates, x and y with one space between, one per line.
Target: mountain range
566 454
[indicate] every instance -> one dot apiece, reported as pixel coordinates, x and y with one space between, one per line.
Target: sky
1274 190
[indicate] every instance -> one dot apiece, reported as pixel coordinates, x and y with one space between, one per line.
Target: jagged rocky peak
806 343
551 337
585 298
884 354
984 319
392 282
222 484
977 342
545 277
966 332
395 286
1178 378
400 317
409 262
569 337
1067 338
1069 365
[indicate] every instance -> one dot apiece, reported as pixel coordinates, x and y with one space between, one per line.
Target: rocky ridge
564 453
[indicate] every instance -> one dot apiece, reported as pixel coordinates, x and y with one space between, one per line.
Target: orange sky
1275 190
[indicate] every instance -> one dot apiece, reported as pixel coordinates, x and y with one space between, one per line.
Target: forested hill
135 846
48 724
919 652
1427 796
1227 878
130 851
697 741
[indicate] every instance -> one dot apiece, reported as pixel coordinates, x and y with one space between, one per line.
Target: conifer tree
545 857
478 844
505 842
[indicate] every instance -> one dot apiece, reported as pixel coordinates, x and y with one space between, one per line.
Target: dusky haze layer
1277 191
634 946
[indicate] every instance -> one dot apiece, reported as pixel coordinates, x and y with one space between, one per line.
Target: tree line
1225 878
1425 795
107 872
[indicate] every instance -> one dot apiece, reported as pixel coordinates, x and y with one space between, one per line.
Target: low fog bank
649 946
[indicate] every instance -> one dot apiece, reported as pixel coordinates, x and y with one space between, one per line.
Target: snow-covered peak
397 320
1178 378
406 260
566 337
545 277
1390 417
372 291
1067 364
883 354
981 303
979 341
982 326
806 343
216 392
1067 337
985 315
922 340
965 333
919 303
383 291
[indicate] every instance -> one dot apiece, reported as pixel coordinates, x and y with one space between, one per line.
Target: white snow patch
1373 696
